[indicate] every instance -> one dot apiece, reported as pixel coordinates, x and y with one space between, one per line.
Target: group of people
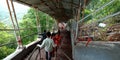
50 42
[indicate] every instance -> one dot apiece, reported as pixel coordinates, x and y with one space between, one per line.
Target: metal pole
105 18
109 16
15 15
12 21
19 37
78 17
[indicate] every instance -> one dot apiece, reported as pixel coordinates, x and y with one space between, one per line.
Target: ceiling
61 10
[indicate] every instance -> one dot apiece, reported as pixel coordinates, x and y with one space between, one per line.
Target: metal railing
39 52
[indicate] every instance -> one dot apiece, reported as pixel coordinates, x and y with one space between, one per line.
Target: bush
4 51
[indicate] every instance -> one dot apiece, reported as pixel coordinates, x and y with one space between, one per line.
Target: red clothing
57 39
88 41
54 39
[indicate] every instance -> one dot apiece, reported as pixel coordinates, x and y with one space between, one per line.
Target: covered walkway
70 11
96 50
64 51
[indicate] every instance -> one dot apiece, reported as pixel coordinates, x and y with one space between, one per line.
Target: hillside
4 13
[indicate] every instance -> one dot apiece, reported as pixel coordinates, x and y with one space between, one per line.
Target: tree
29 23
7 42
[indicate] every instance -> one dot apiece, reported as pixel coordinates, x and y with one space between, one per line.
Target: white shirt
48 44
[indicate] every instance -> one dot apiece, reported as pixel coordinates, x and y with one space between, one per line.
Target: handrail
97 10
39 52
32 53
108 16
117 13
21 54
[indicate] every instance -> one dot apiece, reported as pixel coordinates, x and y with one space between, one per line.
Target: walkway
64 52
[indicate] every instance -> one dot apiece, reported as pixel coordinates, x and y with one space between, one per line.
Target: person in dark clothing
44 36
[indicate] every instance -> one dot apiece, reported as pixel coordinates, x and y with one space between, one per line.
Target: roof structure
61 10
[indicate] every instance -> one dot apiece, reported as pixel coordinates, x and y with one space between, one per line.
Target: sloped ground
97 51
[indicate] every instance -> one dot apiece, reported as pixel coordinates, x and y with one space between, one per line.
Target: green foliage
29 23
96 4
2 25
5 51
6 37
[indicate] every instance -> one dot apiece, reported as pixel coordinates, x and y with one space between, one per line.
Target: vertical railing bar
12 20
